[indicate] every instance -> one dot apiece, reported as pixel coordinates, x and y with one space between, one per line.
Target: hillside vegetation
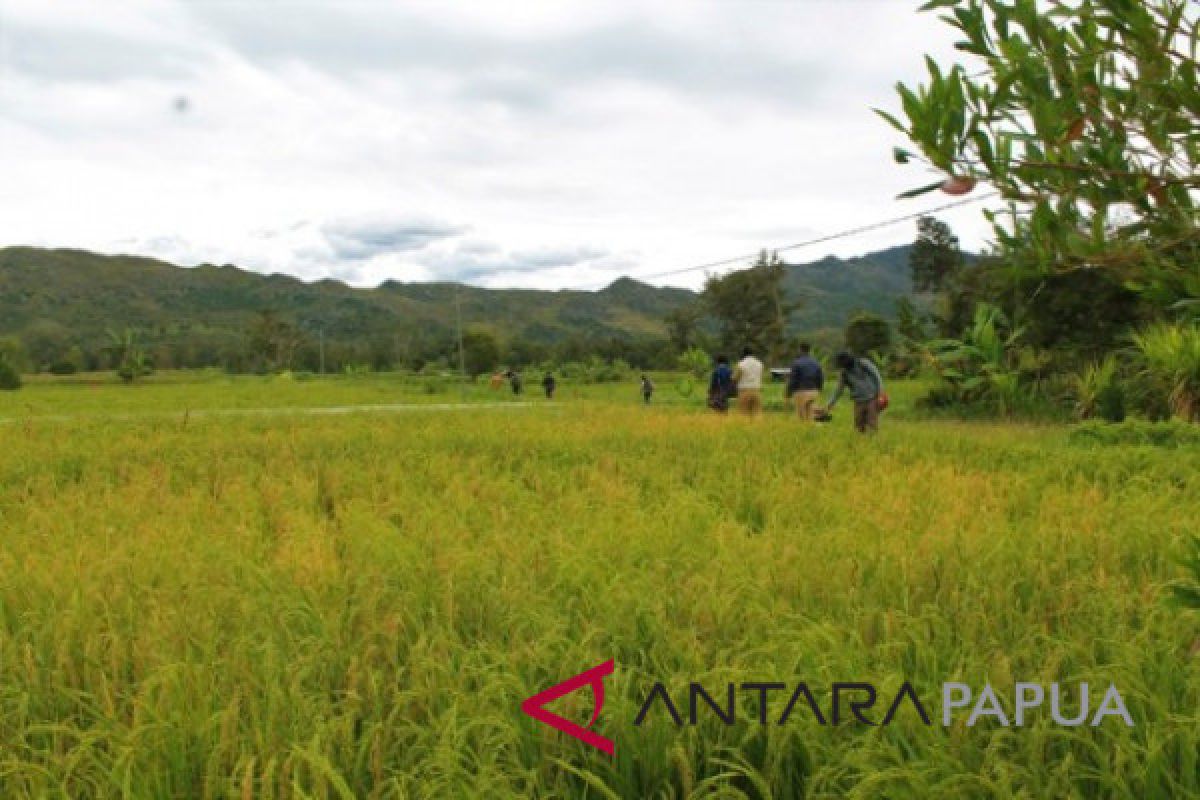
56 300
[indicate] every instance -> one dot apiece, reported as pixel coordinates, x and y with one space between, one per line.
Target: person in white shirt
748 376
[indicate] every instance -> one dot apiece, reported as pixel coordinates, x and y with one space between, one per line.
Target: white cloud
547 144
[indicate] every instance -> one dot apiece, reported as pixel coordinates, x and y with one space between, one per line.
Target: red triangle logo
535 706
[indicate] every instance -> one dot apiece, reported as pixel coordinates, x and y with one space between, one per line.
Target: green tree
128 355
683 325
273 341
695 362
749 306
10 377
935 258
481 352
45 341
868 333
1082 114
12 352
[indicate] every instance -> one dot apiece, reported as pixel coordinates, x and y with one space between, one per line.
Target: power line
819 239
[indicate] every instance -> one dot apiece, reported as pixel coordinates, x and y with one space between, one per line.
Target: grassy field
354 605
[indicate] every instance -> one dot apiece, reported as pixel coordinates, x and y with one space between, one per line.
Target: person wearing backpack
721 386
865 383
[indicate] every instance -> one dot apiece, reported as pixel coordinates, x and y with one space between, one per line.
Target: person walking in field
549 384
865 383
748 377
720 386
514 380
647 389
805 382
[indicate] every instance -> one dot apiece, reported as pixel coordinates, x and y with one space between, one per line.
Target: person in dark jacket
865 383
720 385
549 384
805 383
647 389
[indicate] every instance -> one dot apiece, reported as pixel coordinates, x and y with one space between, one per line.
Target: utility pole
462 358
321 339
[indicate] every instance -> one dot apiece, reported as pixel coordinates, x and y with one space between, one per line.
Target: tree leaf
920 190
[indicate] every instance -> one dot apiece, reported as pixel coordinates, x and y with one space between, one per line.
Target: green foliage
750 307
481 351
12 351
1083 117
1186 591
1171 358
982 366
128 355
1084 312
355 605
10 378
696 362
201 317
935 257
273 342
683 326
868 333
1097 391
595 370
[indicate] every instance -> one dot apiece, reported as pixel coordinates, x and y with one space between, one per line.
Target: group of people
743 382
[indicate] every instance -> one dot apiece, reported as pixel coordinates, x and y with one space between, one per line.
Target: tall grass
355 606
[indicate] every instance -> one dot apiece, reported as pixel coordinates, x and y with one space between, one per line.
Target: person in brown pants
863 380
748 376
805 382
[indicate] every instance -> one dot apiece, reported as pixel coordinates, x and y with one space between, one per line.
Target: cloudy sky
544 144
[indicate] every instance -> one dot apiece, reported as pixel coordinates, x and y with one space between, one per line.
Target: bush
695 362
595 370
10 379
1098 392
1171 358
868 333
62 367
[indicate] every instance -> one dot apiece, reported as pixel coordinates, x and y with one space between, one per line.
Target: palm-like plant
128 354
1096 390
1171 358
981 366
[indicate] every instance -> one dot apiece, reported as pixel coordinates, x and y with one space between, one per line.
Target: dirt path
200 413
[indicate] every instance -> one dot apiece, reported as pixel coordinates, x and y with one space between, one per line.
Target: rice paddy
355 605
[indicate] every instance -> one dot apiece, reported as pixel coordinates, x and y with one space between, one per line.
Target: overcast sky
542 144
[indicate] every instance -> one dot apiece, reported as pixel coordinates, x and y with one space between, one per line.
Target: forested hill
70 298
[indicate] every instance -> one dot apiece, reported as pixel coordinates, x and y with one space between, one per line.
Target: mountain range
80 296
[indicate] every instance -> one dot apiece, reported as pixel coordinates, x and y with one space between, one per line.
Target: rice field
355 605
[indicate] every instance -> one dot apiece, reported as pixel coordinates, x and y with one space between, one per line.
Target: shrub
1171 359
10 379
981 368
695 362
62 367
1097 391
